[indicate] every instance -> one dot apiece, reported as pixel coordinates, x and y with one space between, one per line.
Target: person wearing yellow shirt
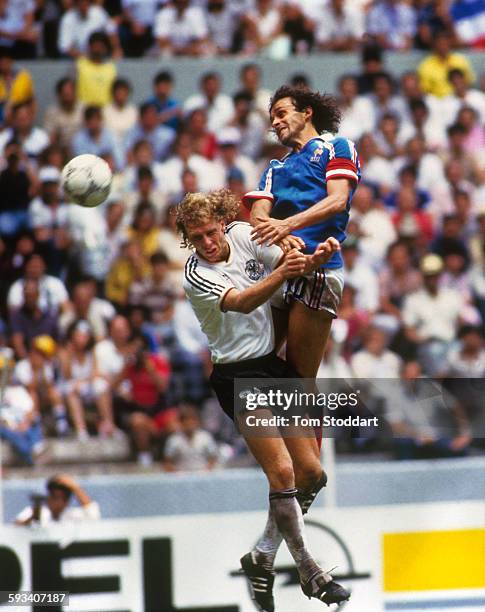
130 266
96 72
433 70
16 86
144 230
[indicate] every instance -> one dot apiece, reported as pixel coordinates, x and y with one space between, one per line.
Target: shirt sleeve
264 191
204 286
342 160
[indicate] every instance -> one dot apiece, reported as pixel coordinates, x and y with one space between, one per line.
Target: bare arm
273 230
251 298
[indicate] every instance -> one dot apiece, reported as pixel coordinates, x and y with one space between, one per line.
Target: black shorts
267 367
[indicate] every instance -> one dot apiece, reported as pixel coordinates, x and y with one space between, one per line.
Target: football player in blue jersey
306 197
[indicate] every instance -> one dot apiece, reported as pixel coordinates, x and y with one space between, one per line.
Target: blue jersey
299 181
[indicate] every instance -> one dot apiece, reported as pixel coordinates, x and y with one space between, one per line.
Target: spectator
120 116
429 167
219 107
264 27
407 179
155 292
52 292
438 429
191 448
30 321
392 23
146 192
361 276
377 171
455 151
358 114
16 188
36 374
409 220
17 28
230 158
169 108
82 383
462 96
410 90
474 129
205 142
112 351
148 128
397 279
181 29
433 70
431 316
127 267
423 124
142 157
78 23
48 216
54 508
371 61
95 138
340 27
169 243
32 139
250 81
145 414
224 24
208 176
16 85
136 28
376 231
389 138
468 359
250 124
432 17
375 360
63 119
383 99
19 422
143 230
96 72
86 306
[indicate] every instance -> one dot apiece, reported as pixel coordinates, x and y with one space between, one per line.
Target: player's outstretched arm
251 298
270 231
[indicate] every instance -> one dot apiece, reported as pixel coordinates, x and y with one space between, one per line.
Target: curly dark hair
326 113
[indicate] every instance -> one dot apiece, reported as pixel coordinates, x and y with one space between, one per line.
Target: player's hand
270 231
325 250
291 242
293 264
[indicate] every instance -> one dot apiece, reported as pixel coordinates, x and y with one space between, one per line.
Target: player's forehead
204 226
283 104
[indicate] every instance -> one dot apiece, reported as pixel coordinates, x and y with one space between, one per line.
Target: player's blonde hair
199 208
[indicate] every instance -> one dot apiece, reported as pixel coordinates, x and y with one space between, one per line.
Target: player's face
209 240
287 122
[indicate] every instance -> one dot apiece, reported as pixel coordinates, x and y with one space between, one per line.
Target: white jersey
232 336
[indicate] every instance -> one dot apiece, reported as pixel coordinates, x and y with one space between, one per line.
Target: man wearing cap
36 375
431 316
48 216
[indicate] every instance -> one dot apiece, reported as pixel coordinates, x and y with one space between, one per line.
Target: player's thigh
308 332
305 455
280 324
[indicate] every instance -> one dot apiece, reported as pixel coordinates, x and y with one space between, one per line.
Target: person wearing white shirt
340 26
54 507
375 360
219 107
32 138
181 29
462 96
229 280
120 116
78 23
358 115
361 276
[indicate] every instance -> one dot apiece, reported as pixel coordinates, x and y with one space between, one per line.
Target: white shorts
320 290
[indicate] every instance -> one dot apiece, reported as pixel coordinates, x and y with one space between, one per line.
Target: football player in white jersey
229 280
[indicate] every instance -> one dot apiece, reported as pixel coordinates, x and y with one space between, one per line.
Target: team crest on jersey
254 269
317 154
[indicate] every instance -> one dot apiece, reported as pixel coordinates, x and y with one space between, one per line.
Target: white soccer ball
86 180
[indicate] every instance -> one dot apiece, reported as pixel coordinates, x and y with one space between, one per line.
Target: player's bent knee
281 476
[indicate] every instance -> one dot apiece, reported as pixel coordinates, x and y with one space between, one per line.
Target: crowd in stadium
91 300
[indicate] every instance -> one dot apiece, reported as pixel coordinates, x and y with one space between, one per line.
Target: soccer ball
86 180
